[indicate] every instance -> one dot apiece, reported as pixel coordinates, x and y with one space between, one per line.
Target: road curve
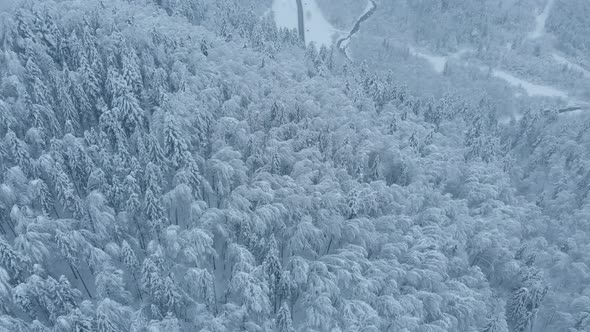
356 27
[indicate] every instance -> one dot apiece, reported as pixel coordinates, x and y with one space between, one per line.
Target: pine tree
496 323
131 262
204 47
152 281
90 80
272 269
65 191
201 283
66 296
103 324
19 152
155 153
152 178
283 320
170 296
153 212
130 114
131 69
109 284
80 322
129 258
177 148
195 179
413 141
97 180
16 264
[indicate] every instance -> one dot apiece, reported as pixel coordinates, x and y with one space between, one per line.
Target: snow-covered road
531 89
563 61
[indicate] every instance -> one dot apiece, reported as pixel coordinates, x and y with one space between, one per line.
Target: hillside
187 166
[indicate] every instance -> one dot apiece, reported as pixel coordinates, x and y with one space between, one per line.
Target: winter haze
294 165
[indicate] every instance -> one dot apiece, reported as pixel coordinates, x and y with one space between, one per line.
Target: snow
460 53
563 61
367 9
437 62
285 13
533 90
317 28
540 21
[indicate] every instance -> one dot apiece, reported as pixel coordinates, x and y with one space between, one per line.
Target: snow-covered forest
186 165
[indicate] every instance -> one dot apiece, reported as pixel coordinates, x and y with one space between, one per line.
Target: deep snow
317 28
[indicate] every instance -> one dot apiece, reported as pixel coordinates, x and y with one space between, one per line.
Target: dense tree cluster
569 21
185 166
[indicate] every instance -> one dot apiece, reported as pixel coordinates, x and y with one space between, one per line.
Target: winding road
340 44
357 25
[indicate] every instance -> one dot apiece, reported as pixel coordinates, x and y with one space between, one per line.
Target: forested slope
185 166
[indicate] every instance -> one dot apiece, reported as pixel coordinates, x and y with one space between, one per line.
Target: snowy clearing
285 13
540 21
317 28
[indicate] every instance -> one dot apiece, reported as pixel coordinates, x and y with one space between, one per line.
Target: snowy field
285 13
317 28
